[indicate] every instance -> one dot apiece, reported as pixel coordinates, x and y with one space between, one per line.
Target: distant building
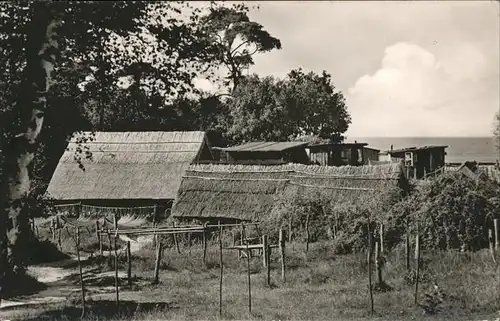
263 153
370 155
419 162
333 154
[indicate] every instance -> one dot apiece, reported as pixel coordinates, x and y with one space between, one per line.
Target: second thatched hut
249 193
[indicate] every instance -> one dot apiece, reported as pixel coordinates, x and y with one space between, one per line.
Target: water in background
460 149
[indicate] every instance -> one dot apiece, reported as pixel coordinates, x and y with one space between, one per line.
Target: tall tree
99 43
19 145
232 39
283 109
33 36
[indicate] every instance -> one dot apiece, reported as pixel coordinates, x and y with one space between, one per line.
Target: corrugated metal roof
264 147
412 149
339 145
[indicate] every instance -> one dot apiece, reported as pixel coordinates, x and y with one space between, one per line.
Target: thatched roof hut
245 192
347 184
138 167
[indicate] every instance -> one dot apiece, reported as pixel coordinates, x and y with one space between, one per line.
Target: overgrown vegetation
321 285
346 223
453 211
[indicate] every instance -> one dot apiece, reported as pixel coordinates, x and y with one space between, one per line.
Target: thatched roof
249 192
264 147
127 165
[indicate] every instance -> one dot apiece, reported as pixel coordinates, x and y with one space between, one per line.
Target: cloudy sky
409 68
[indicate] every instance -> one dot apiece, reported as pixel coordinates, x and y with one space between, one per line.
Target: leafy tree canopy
283 109
232 39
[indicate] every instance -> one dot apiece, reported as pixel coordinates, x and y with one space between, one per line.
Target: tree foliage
232 39
153 45
283 109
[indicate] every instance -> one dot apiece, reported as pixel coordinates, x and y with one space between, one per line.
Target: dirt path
61 279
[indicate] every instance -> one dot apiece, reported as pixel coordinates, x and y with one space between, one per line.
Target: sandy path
54 278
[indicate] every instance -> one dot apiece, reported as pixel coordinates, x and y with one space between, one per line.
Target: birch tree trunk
19 148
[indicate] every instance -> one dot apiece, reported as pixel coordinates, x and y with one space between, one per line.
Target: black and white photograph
250 160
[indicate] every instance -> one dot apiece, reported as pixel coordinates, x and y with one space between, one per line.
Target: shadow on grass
103 309
22 284
72 263
43 251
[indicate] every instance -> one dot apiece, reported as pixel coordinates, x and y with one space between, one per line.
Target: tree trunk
19 148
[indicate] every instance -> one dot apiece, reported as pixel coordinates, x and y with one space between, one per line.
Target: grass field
320 286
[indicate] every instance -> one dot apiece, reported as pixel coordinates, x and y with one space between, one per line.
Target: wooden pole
117 288
290 230
417 260
378 265
307 233
492 249
407 248
59 243
157 262
268 263
241 243
176 241
381 236
115 221
155 238
189 242
264 250
221 263
109 249
248 270
53 228
497 236
282 254
129 264
80 270
204 243
99 237
369 258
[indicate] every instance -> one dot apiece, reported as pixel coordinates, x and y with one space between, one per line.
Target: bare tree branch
239 46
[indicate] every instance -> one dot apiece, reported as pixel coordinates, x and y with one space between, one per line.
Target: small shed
337 154
127 169
370 155
265 153
420 162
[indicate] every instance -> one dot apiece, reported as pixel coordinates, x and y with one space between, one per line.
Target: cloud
416 92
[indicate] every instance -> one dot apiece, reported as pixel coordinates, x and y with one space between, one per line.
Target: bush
344 221
453 212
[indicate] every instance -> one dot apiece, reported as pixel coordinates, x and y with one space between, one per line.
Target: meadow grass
320 286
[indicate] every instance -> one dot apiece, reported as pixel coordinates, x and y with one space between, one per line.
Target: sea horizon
460 149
